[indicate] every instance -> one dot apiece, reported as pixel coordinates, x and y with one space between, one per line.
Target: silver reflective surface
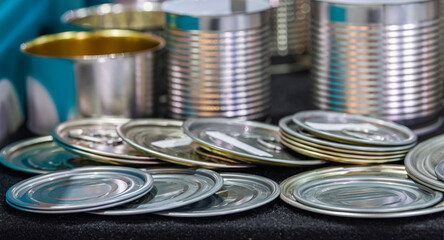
240 192
354 129
80 189
252 141
164 139
40 155
220 66
172 188
390 171
378 60
366 194
422 160
97 136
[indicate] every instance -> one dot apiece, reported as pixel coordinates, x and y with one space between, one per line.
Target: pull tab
270 143
365 134
102 137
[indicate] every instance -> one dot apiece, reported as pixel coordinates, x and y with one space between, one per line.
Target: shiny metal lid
365 194
421 161
384 171
252 141
164 139
112 160
173 187
240 192
97 136
40 155
354 129
80 189
439 170
287 125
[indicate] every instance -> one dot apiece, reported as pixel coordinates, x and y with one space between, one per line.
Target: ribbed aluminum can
290 24
381 59
218 61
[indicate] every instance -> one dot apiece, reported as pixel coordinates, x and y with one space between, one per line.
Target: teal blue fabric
57 76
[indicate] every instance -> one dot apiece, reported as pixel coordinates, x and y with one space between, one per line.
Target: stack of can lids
115 190
425 163
165 140
346 138
380 191
243 140
97 139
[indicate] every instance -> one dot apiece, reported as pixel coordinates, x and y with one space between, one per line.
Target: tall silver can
378 58
290 24
218 58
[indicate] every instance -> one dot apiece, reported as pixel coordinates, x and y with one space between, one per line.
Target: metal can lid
40 155
354 129
251 191
258 142
80 189
173 187
164 139
287 125
289 185
368 194
97 136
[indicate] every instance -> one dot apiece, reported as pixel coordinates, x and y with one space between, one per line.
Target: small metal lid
384 171
439 170
40 155
173 187
80 189
97 136
370 194
251 141
111 160
240 192
424 156
287 125
354 129
165 140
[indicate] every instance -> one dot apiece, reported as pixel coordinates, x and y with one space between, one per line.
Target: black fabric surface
276 220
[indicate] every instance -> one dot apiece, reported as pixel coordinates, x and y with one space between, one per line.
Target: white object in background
11 113
42 112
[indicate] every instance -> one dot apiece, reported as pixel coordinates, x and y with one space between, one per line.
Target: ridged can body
290 26
379 59
218 66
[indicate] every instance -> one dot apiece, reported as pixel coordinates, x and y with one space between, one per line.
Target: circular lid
239 193
40 155
249 140
111 160
173 187
97 136
288 126
354 129
80 189
430 151
439 170
391 171
165 140
369 194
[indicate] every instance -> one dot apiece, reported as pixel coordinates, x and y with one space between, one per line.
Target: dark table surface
276 220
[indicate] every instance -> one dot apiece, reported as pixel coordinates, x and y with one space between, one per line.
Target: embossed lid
240 192
40 155
97 136
354 129
79 190
173 187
